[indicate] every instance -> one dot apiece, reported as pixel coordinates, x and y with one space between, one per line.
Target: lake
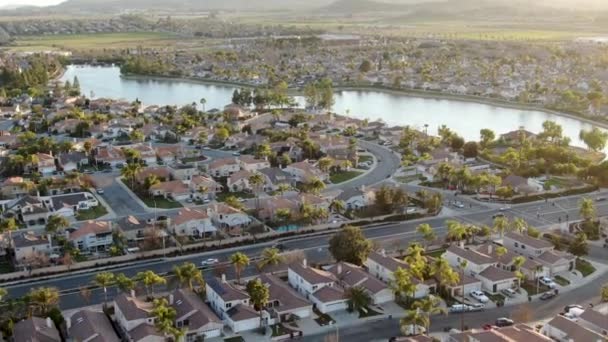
465 118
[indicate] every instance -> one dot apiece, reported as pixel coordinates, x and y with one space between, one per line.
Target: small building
350 276
308 280
135 229
133 316
88 325
494 279
224 167
72 161
562 329
382 267
36 329
27 246
284 302
176 190
92 237
193 315
239 181
252 164
357 198
475 262
46 164
594 320
193 222
223 297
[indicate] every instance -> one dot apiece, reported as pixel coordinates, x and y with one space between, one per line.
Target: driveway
119 199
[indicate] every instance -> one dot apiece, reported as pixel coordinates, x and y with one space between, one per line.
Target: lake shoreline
419 93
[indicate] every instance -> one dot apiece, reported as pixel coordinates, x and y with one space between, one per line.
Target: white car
209 262
480 296
99 191
509 292
548 282
458 205
459 308
477 307
413 330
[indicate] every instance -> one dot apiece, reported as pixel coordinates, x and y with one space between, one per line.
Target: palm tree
518 262
8 225
149 279
203 102
501 224
519 225
358 298
270 257
314 185
3 293
239 261
259 294
130 172
283 188
44 298
256 180
56 223
164 318
430 306
427 232
325 164
456 231
124 283
187 274
103 280
413 318
402 285
151 181
444 273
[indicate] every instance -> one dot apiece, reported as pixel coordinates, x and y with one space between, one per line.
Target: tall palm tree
518 262
413 318
259 294
283 188
44 298
239 261
444 273
270 257
56 223
430 306
325 164
456 231
427 232
103 280
150 279
519 225
314 185
358 298
501 224
130 172
337 206
203 102
587 209
187 274
414 256
124 283
402 285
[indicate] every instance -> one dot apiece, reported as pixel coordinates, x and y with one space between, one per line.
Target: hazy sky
29 2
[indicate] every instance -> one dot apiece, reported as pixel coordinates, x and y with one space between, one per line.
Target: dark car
504 322
548 295
498 215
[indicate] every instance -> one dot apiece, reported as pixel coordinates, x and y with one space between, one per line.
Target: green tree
412 320
604 293
239 261
594 138
221 135
358 298
587 209
259 295
270 257
164 318
487 136
325 164
470 150
314 185
234 202
338 206
402 284
501 225
150 279
130 172
103 280
137 136
365 67
518 262
124 283
56 223
430 306
444 274
456 231
350 245
43 298
578 246
203 102
188 274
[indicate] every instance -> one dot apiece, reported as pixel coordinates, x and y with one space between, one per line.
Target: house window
516 244
314 287
228 305
523 246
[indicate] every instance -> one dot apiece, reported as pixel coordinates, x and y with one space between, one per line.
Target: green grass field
92 41
342 177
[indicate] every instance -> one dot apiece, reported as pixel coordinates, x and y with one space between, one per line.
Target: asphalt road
388 163
116 196
390 236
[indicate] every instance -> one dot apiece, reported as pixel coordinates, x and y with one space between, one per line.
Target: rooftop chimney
490 248
132 293
339 268
49 323
305 263
461 244
223 278
383 252
171 299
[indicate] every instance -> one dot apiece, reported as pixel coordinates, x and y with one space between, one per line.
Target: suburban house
594 320
515 333
284 302
193 315
92 236
521 184
134 318
169 154
46 164
193 222
109 155
228 217
36 329
27 247
176 190
231 305
87 326
562 329
69 205
382 267
318 286
468 283
239 181
224 167
29 210
135 229
250 163
349 276
184 172
531 269
72 161
13 187
494 279
304 171
161 172
275 177
267 207
541 251
205 187
475 261
516 135
147 154
357 198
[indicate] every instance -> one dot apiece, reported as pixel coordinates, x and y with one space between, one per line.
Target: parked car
572 306
480 296
548 282
413 330
600 199
477 307
236 154
498 215
456 308
574 313
509 292
209 262
99 191
548 295
458 204
504 322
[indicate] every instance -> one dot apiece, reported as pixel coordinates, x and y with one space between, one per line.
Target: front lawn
495 297
436 253
341 177
279 330
530 287
561 280
584 267
6 267
363 159
91 214
161 202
